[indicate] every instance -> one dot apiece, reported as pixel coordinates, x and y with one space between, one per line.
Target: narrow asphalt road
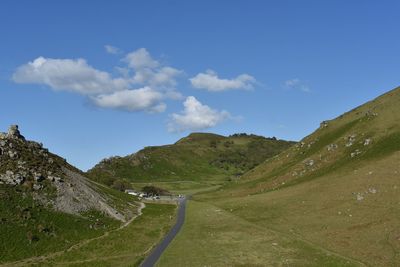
157 251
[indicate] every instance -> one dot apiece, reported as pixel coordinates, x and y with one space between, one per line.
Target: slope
337 190
48 205
362 136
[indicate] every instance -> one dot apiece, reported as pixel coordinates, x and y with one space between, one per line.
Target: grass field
212 236
125 247
358 218
324 222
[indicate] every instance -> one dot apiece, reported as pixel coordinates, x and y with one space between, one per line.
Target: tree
152 190
118 185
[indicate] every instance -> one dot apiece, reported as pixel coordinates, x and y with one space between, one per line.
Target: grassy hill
197 157
330 200
47 205
361 136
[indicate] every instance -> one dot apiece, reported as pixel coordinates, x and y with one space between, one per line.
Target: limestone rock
355 153
14 133
332 147
11 178
367 141
350 140
309 162
324 124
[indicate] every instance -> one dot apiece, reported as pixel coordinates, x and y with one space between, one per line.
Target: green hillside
47 205
30 228
197 157
330 200
361 136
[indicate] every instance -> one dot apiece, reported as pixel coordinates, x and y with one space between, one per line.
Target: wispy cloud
211 82
112 49
148 71
141 59
195 116
297 84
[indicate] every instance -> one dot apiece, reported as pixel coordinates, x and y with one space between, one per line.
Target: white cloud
195 116
157 81
164 77
297 84
68 74
132 100
148 71
112 49
140 59
211 82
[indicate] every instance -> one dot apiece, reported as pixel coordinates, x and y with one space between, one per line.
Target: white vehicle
131 192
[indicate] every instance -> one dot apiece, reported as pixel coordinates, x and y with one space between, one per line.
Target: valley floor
346 218
216 237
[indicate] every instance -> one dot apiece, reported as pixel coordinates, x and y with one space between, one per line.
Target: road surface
156 252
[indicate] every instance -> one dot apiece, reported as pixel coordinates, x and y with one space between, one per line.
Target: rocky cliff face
23 162
49 178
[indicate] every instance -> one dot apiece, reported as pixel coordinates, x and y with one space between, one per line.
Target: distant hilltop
196 157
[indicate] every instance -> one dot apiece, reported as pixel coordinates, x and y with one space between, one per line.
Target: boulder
350 140
14 133
11 179
355 153
367 141
323 124
332 147
309 162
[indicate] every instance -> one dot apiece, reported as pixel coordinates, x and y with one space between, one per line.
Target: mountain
46 204
199 156
337 190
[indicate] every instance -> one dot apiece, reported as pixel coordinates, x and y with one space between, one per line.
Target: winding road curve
155 254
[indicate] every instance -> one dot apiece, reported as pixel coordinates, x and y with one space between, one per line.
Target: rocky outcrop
25 161
11 178
49 178
323 124
13 132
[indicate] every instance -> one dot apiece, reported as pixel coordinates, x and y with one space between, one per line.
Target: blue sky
91 79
